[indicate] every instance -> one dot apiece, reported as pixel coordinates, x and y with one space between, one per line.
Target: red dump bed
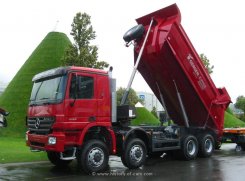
169 57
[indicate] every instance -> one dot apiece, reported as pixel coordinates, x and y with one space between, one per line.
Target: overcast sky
216 28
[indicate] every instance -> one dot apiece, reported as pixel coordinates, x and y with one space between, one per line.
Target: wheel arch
137 133
197 132
100 132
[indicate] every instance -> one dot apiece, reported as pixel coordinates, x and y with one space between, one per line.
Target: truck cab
68 106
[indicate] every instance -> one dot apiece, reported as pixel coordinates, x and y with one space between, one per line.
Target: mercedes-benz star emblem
37 124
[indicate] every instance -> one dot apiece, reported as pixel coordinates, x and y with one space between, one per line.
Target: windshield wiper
44 98
39 103
33 104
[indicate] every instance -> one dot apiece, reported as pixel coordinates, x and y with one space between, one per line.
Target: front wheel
134 155
54 157
93 156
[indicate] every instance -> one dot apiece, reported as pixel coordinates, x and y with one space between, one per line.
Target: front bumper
40 142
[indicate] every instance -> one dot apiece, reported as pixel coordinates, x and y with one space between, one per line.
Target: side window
85 89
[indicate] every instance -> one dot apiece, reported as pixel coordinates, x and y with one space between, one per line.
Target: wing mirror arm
77 89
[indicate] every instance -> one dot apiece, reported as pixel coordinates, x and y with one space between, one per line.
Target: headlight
52 140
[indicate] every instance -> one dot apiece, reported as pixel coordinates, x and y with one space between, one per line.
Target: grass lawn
14 150
232 122
143 116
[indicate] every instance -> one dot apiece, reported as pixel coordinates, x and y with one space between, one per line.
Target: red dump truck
73 113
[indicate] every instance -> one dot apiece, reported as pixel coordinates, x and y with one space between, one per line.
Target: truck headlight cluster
52 140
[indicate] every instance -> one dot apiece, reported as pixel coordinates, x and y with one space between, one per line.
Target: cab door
81 105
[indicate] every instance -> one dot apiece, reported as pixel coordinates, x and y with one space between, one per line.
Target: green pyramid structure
16 96
144 117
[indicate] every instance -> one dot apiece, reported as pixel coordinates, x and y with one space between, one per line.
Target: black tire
242 145
206 145
54 158
123 161
93 156
134 155
134 33
189 148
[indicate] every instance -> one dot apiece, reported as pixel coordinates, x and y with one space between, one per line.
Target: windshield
48 91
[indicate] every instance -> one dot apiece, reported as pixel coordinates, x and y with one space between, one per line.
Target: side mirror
5 124
3 121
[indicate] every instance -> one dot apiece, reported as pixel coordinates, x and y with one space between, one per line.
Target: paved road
225 165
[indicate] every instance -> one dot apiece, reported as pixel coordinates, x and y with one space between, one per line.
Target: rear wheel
189 148
206 145
134 155
93 156
54 157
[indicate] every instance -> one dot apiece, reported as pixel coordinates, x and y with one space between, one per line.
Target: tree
206 63
132 96
240 103
81 53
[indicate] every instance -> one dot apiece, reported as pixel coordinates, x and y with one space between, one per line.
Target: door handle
92 118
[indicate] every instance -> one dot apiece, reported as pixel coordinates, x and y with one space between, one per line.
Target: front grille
40 125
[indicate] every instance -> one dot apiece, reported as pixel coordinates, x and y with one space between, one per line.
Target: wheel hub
208 145
136 153
191 147
96 157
